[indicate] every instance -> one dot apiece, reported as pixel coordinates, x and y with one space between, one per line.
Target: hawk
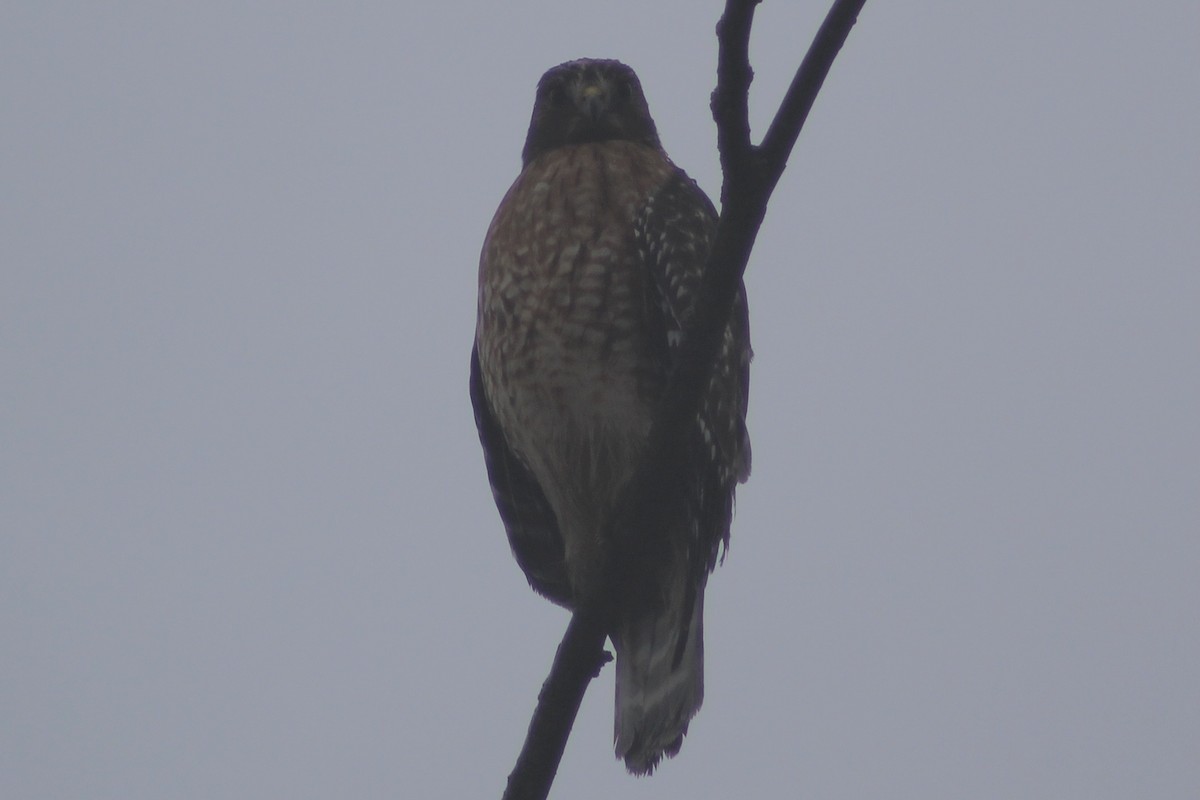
587 282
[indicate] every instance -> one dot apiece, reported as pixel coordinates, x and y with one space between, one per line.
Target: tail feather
660 685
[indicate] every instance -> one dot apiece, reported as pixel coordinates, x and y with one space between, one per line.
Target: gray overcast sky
247 548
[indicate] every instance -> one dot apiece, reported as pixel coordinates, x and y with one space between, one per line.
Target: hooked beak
592 100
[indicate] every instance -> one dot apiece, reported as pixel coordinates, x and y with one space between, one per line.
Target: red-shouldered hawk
587 281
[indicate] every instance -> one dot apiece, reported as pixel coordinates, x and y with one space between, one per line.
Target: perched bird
587 282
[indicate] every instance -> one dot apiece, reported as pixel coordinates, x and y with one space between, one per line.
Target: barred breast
564 342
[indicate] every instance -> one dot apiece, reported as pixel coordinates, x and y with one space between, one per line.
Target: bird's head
589 100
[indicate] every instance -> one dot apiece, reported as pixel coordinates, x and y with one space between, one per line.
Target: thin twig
793 111
731 98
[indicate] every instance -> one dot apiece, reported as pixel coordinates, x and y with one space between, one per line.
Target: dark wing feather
674 234
532 528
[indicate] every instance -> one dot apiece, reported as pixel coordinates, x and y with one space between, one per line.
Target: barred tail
660 684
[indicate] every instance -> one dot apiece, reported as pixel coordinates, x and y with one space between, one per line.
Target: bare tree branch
580 658
731 98
750 175
793 111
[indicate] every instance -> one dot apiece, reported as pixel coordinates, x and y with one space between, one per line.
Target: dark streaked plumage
587 282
